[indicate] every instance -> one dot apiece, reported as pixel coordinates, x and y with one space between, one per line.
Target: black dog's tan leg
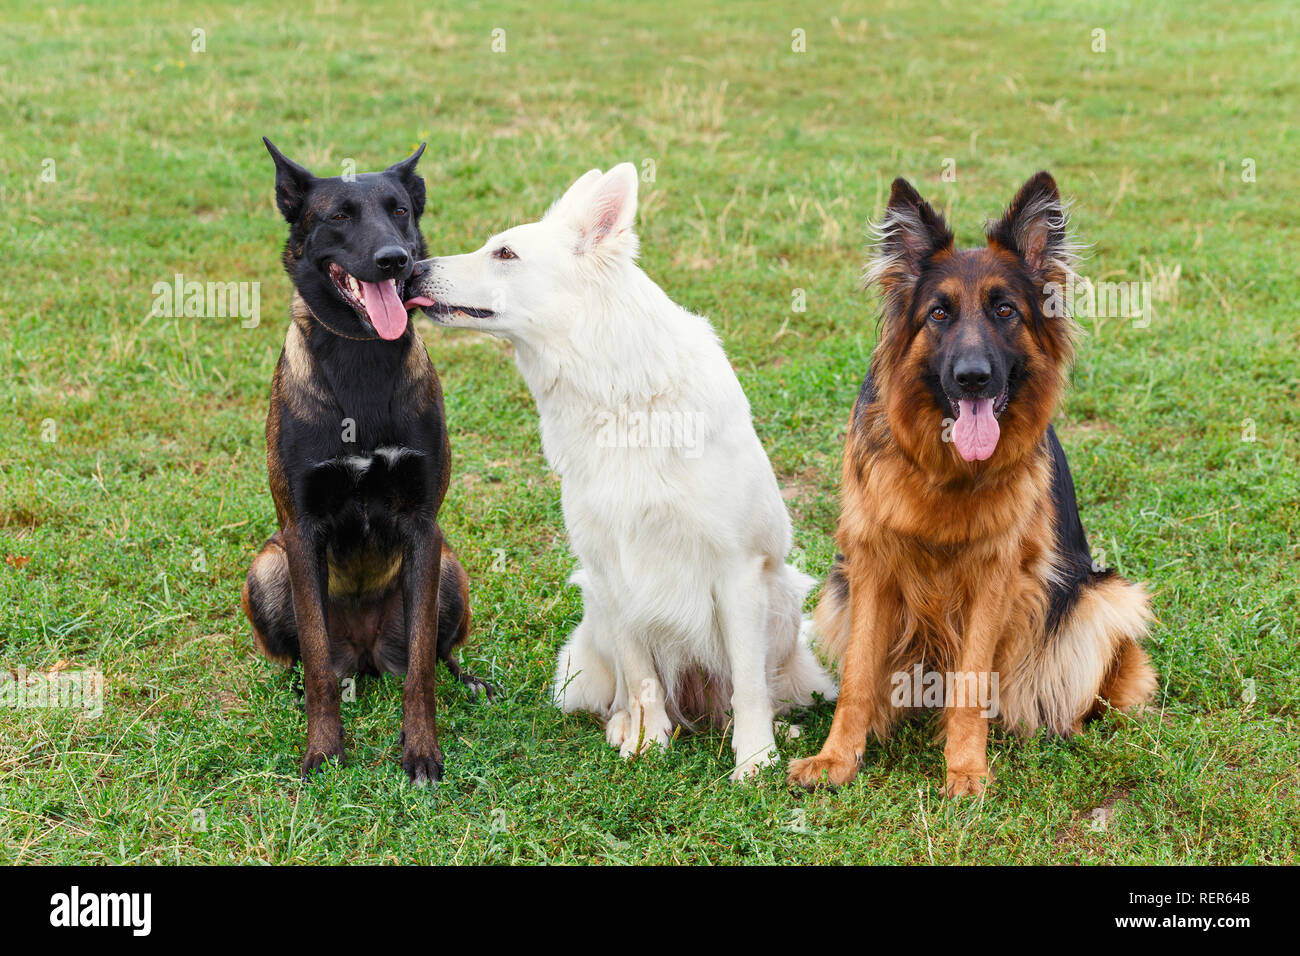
307 575
454 622
421 569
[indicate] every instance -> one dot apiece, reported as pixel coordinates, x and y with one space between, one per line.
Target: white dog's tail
797 674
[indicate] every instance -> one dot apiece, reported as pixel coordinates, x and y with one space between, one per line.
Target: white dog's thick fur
669 500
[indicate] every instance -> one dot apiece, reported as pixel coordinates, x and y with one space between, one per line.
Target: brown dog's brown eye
1005 311
505 253
938 314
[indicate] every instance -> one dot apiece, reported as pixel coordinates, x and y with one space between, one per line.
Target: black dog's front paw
421 759
421 768
315 760
321 748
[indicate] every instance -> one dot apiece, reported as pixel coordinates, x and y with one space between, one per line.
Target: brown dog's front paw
965 784
421 759
821 771
320 751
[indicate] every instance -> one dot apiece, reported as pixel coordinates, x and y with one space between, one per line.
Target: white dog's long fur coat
689 606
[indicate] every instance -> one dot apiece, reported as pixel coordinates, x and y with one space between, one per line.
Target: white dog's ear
608 211
581 186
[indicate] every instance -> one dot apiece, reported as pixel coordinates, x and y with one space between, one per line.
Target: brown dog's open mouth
976 431
380 303
999 404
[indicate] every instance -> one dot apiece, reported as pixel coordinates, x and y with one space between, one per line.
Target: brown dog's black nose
972 374
391 259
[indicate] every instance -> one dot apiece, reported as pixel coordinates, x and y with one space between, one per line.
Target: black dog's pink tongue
976 432
384 308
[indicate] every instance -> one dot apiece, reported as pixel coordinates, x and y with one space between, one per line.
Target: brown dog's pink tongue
976 432
384 308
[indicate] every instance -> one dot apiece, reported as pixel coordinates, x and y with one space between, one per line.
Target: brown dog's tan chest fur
930 551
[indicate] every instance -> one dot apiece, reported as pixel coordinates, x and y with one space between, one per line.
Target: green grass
768 164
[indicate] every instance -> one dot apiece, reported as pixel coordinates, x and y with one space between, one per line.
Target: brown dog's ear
292 183
1034 227
909 234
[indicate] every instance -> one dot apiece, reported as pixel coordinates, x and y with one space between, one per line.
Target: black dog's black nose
391 258
972 374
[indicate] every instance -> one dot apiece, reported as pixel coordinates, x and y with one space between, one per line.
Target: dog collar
330 328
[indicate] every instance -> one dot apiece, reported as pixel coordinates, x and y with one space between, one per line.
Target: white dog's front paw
748 769
616 727
752 755
639 743
647 723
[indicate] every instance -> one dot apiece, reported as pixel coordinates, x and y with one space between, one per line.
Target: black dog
358 578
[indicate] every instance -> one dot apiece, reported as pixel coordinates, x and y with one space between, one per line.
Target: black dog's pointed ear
910 233
407 166
405 171
292 183
1034 228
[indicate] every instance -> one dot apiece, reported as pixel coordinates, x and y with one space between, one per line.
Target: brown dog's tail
1091 661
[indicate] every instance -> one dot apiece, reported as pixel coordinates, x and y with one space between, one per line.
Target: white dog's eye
504 253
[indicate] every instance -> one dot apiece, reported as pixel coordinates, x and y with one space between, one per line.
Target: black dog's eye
938 314
504 252
339 217
1005 311
399 211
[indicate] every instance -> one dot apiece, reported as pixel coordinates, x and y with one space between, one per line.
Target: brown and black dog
962 554
358 579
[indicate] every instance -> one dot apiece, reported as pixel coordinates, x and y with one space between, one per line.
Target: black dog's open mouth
435 308
380 303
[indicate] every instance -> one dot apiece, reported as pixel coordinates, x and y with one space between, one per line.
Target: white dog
670 503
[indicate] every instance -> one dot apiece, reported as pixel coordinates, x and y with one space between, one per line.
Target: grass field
133 483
